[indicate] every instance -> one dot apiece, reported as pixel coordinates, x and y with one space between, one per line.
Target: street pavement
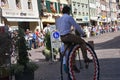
107 47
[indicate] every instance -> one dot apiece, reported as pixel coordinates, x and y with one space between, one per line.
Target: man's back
63 24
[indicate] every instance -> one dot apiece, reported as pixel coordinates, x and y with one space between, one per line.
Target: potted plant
47 51
23 69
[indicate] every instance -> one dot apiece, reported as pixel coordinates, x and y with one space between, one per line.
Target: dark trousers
71 38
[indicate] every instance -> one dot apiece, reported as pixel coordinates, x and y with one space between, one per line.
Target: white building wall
14 15
82 7
12 11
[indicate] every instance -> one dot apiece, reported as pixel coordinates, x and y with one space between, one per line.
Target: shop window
4 3
18 4
29 4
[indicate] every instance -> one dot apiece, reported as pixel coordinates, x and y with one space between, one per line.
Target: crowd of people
36 39
101 29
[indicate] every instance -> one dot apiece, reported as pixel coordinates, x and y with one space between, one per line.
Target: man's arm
77 27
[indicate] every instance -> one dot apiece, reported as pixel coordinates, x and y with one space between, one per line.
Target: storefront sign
12 13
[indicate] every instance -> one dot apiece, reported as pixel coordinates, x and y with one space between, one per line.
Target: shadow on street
109 70
110 44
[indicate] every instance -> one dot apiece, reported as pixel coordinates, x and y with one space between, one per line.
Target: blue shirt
65 23
34 36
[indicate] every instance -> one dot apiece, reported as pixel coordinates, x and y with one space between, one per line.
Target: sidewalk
36 54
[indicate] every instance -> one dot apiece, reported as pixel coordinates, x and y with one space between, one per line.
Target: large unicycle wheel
88 71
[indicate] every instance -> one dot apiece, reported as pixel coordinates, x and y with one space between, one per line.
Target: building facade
34 14
80 11
93 12
49 10
20 13
113 11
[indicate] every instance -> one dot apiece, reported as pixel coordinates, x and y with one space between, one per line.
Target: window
82 5
43 6
61 7
18 5
29 4
86 5
87 14
79 13
75 11
4 3
78 4
74 4
52 7
83 13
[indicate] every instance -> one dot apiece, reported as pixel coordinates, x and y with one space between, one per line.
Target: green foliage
4 72
19 69
5 43
23 63
5 52
48 41
47 51
22 48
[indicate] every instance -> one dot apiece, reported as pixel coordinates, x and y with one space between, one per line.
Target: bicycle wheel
89 71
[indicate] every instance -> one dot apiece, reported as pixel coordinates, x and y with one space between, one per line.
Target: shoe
88 60
76 69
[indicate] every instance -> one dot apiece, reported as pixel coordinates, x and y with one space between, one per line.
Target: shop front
25 23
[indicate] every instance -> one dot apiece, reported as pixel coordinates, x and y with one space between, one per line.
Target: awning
23 19
82 22
93 18
48 21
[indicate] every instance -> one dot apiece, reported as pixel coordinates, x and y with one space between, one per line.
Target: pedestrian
42 34
38 37
46 29
28 38
34 40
